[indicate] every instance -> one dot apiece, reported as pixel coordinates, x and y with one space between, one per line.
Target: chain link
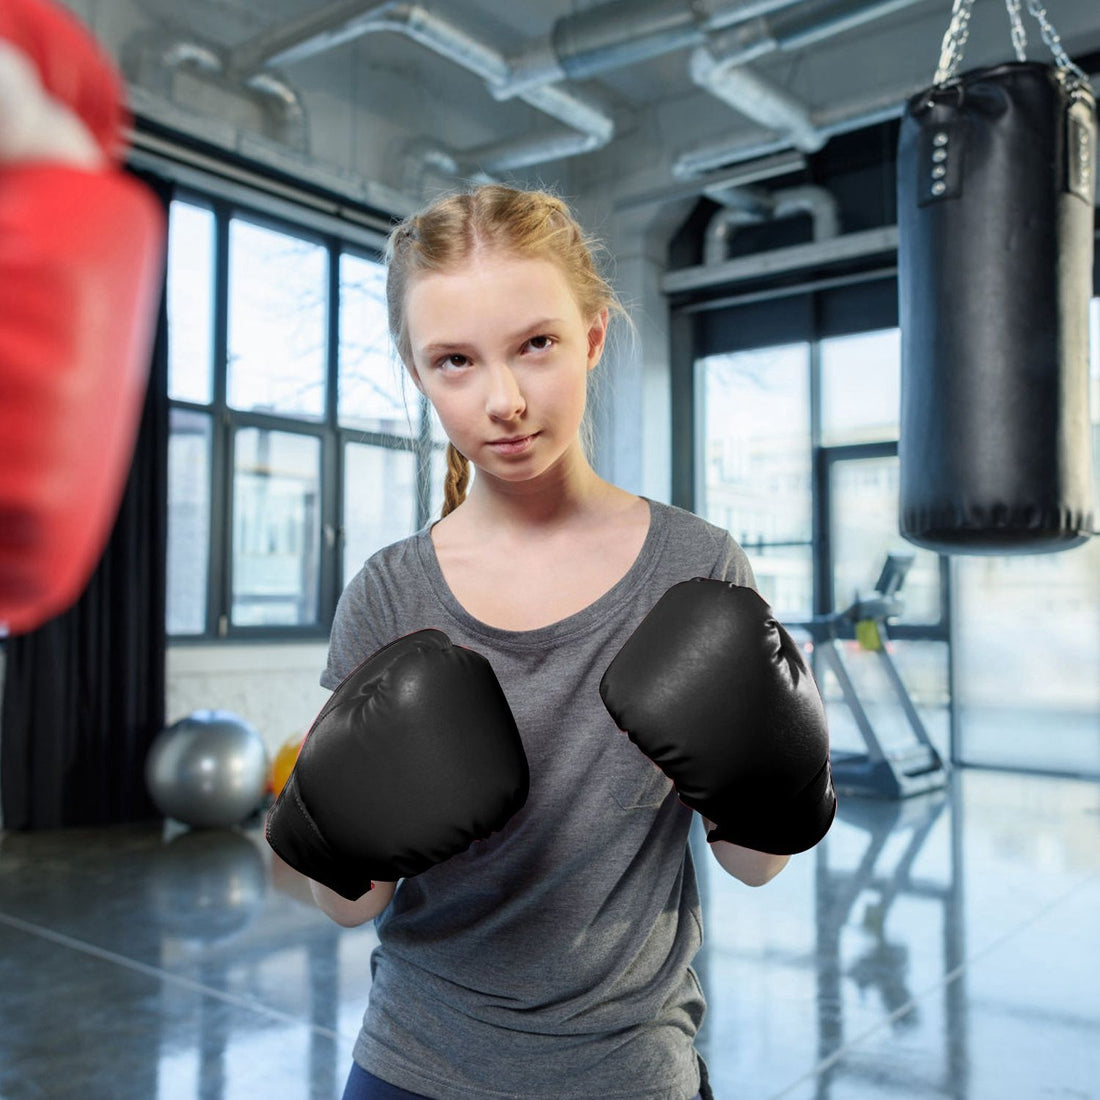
958 31
954 41
1019 35
1050 37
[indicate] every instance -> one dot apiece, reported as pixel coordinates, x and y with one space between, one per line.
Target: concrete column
633 395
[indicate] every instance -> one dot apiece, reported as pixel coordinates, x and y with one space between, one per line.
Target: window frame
333 436
818 314
811 317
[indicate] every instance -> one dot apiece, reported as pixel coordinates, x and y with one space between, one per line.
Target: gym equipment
877 773
208 770
995 184
717 694
282 764
81 251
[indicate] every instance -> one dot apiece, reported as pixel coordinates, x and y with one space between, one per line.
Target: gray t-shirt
551 960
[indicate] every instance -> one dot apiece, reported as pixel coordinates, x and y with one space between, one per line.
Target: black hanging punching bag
995 220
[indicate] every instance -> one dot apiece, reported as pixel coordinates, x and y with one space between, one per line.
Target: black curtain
84 694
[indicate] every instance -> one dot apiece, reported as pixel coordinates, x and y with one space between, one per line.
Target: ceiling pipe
586 43
719 68
732 159
826 123
152 58
622 33
819 203
175 53
323 29
423 158
755 97
720 229
280 98
343 21
812 21
486 163
512 153
734 180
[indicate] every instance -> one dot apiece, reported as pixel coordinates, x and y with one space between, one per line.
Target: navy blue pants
365 1086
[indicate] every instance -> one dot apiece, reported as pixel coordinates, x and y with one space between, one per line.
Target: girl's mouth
513 446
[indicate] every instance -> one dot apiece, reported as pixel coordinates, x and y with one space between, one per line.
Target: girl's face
501 350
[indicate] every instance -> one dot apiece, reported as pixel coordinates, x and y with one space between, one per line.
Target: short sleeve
733 563
359 627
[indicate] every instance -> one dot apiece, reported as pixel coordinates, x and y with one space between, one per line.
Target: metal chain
954 41
1019 35
1050 37
958 30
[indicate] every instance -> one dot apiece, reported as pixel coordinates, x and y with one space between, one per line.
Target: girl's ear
597 337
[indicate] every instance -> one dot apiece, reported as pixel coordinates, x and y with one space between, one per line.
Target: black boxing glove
414 757
716 693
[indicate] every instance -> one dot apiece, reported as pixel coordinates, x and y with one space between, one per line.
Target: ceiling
633 93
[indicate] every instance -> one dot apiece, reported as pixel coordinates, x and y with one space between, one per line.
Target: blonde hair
529 224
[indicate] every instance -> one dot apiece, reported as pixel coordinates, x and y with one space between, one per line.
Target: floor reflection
187 963
931 969
943 946
862 944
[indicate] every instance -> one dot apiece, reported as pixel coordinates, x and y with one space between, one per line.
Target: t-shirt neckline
587 618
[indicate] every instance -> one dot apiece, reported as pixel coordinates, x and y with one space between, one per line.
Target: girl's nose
504 400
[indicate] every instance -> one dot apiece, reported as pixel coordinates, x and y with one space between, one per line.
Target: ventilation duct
337 23
815 201
152 59
622 33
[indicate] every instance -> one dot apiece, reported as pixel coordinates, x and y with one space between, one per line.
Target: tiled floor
947 946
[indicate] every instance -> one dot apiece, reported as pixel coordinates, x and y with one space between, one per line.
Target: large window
860 387
296 447
276 569
1027 645
755 461
278 299
860 404
796 455
793 432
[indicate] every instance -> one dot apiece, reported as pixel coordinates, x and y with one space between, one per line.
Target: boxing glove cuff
782 828
305 849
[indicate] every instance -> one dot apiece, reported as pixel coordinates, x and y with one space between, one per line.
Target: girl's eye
541 343
455 360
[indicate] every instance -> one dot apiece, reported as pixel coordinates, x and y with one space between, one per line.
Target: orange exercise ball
283 763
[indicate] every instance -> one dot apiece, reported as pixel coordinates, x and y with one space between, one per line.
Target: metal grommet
939 187
939 155
940 139
939 171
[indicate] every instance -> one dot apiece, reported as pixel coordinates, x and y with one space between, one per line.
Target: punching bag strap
958 30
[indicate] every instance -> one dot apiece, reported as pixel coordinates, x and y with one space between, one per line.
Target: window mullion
218 594
332 464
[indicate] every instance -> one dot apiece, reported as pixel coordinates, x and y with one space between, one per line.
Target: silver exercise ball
208 770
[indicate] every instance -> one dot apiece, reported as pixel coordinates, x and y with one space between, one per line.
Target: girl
553 959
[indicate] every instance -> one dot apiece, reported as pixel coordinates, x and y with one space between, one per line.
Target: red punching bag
81 250
996 182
